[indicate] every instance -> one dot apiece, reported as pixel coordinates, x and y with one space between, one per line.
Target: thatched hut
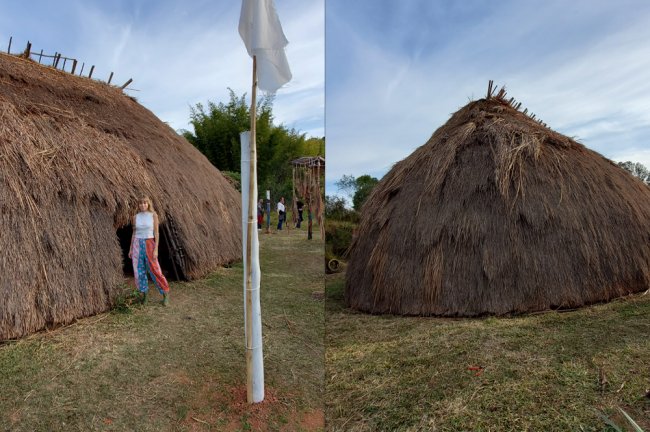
75 156
499 214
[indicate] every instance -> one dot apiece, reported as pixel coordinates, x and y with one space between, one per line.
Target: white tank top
144 225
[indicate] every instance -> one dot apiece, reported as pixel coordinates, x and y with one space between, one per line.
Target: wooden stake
92 68
125 84
74 66
9 49
110 78
39 57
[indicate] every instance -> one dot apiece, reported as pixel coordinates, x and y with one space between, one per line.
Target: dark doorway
164 259
124 235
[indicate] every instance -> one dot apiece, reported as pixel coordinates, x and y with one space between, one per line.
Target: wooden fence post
82 68
9 49
126 83
74 66
90 75
110 78
39 57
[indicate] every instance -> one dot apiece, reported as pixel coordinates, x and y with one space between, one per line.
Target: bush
335 210
338 237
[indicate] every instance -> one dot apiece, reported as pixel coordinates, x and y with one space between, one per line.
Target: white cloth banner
261 31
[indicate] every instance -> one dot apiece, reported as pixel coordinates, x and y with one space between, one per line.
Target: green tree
637 170
365 185
217 129
314 147
358 188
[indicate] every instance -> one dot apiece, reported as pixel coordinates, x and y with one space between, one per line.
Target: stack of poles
252 272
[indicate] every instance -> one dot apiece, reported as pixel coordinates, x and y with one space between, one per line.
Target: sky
397 70
178 53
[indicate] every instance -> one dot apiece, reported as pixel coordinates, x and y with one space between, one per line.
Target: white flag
261 31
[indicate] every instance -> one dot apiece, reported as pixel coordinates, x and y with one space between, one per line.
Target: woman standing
144 251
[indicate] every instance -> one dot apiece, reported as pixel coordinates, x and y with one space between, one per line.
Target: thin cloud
178 53
389 88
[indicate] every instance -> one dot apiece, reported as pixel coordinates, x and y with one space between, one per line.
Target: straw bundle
499 214
75 157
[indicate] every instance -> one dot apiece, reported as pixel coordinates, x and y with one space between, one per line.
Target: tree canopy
217 129
637 170
358 188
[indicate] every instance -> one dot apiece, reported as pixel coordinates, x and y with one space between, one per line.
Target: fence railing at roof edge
56 62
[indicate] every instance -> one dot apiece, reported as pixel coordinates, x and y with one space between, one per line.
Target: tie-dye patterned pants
143 262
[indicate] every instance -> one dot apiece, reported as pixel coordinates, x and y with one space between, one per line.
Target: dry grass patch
548 371
179 368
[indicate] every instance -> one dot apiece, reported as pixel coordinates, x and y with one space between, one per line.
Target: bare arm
156 236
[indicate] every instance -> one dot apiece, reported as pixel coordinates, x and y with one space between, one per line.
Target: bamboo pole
254 358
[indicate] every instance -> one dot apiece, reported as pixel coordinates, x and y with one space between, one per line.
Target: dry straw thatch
75 156
499 214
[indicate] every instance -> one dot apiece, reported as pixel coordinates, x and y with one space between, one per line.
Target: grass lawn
180 368
543 372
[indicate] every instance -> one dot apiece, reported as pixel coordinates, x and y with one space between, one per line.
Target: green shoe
165 301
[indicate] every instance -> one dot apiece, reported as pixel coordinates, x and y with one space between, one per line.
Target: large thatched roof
498 214
75 156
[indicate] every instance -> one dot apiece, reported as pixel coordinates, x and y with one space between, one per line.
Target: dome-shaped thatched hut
75 156
499 214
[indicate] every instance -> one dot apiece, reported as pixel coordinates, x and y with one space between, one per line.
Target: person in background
300 207
260 213
281 213
144 251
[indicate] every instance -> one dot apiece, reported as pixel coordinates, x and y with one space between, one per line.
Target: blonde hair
147 200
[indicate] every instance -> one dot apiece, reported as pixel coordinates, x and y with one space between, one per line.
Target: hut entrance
124 235
169 266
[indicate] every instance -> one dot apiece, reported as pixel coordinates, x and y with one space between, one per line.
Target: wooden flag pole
251 230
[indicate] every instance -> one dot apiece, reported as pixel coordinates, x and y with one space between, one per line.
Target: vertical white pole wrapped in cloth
252 276
261 31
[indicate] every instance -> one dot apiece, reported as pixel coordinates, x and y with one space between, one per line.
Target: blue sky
179 53
397 70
